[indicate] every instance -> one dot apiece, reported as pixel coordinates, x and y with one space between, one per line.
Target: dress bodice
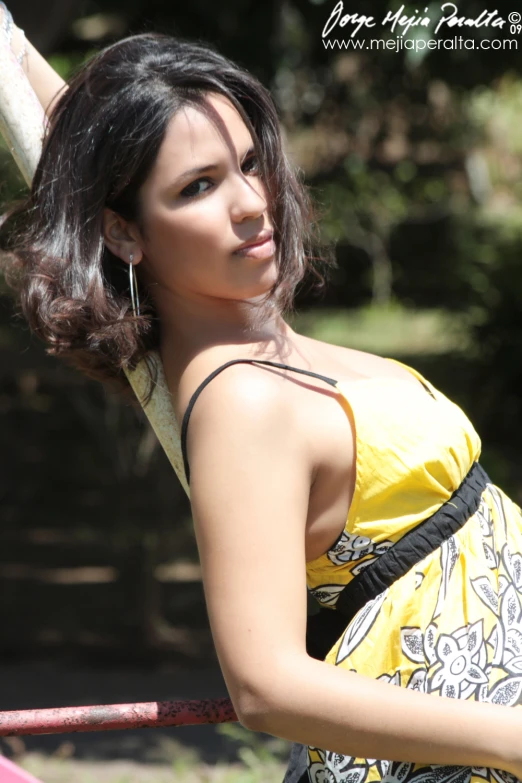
413 449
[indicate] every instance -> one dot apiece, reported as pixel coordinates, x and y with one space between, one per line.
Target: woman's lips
263 250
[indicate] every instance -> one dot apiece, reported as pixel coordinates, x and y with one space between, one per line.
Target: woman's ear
120 237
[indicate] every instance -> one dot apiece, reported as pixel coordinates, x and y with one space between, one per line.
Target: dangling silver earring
133 284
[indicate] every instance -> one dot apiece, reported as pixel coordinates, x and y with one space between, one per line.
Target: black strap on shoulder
415 545
184 425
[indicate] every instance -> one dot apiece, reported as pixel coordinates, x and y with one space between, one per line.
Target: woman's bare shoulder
241 381
239 392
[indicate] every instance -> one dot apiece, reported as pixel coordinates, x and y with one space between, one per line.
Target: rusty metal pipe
109 717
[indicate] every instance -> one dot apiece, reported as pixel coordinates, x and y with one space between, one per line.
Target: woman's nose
248 197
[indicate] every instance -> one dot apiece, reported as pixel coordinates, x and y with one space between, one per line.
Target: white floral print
461 656
457 662
351 548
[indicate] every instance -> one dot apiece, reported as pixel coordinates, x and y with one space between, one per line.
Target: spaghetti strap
184 425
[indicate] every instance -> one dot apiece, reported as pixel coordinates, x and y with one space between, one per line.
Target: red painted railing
106 717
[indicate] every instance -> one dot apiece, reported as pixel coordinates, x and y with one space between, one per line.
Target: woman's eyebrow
203 169
197 170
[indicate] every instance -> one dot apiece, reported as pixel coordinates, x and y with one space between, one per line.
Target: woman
165 156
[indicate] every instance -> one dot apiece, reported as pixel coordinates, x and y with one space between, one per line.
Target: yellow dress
452 626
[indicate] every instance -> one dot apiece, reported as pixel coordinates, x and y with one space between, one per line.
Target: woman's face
194 221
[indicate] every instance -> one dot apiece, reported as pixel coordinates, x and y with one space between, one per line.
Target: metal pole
109 717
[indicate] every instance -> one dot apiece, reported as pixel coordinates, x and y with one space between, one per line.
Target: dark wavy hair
103 137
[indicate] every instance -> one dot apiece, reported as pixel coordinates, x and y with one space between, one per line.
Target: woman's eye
189 190
251 164
253 159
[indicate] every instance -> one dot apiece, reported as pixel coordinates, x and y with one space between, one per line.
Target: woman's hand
12 34
44 80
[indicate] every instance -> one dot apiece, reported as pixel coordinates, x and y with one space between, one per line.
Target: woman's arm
250 484
43 78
